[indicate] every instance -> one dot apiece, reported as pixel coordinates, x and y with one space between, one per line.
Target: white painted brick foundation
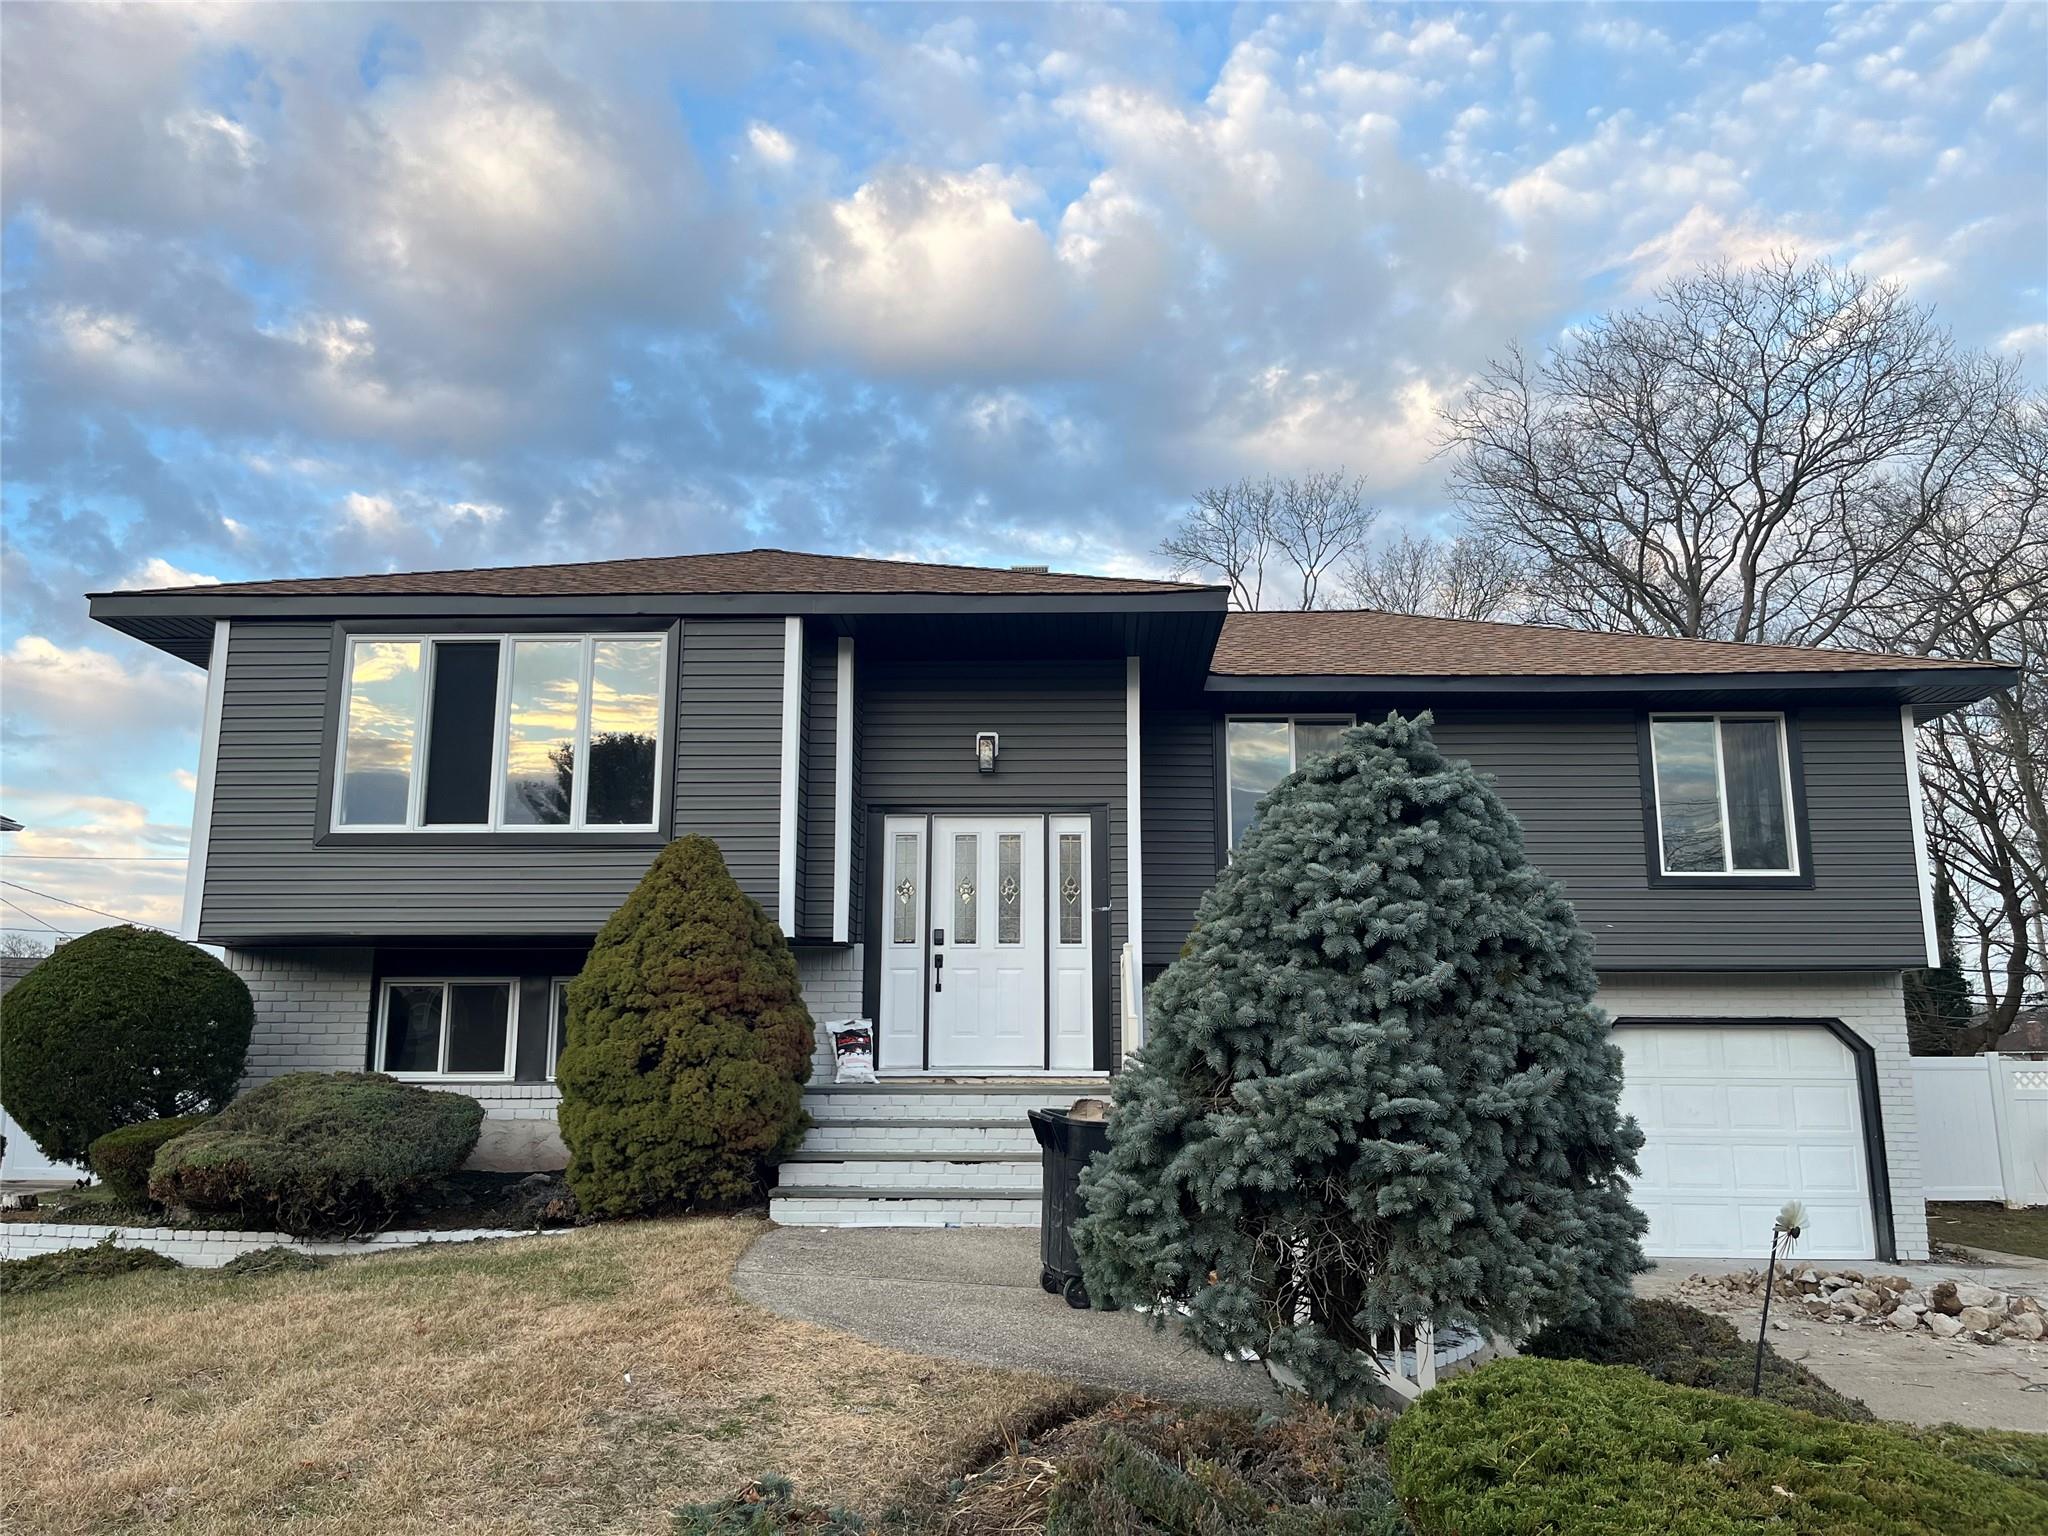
312 1008
831 981
1870 1003
198 1249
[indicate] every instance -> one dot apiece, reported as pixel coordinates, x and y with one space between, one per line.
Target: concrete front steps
922 1152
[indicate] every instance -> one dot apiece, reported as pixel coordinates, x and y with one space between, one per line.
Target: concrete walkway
972 1293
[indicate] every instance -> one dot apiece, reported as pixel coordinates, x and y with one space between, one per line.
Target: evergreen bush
1543 1445
121 1159
319 1154
688 1045
1670 1341
1374 1088
120 1025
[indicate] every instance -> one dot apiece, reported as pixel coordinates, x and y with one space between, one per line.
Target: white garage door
1738 1119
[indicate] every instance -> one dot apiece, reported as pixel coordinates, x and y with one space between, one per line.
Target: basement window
463 1029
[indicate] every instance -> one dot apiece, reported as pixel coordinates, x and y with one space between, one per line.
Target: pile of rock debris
1948 1309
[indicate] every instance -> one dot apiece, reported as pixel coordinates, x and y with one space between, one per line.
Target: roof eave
1939 687
179 622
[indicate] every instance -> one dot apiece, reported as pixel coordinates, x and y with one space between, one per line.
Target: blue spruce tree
1375 1090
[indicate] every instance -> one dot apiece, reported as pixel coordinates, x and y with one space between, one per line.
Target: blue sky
299 289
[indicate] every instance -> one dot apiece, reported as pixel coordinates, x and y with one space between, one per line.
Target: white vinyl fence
1983 1127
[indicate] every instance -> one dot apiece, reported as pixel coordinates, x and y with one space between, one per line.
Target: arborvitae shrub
1374 1088
688 1045
120 1025
319 1154
122 1159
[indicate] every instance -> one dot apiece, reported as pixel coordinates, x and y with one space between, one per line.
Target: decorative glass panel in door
1069 893
966 880
1010 889
903 895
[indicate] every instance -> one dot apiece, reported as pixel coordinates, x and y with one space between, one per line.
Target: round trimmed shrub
123 1024
688 1045
122 1159
319 1154
1523 1446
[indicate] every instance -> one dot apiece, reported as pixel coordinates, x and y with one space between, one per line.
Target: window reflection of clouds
383 728
542 708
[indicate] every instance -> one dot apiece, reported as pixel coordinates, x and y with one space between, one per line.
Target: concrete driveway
1913 1377
972 1293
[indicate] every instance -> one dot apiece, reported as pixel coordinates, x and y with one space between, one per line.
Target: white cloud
2030 339
770 144
159 572
86 695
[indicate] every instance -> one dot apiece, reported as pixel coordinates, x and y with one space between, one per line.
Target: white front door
988 943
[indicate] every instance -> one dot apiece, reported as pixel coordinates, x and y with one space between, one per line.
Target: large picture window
433 1027
1263 752
1724 795
467 733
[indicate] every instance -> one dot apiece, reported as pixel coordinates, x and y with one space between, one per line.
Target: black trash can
1066 1145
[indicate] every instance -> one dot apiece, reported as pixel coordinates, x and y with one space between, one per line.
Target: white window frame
1293 753
441 1074
416 790
1728 871
555 1001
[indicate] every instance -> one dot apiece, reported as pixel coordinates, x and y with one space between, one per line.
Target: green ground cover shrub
1690 1348
120 1025
1526 1446
688 1045
122 1158
1135 1468
68 1266
319 1154
768 1506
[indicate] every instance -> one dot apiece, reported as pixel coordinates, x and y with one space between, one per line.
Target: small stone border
200 1248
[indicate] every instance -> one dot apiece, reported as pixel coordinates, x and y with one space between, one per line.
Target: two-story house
982 804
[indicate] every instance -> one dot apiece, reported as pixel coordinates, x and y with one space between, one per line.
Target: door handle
938 973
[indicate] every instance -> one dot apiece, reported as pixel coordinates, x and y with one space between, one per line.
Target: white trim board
1134 838
792 741
1916 805
842 797
202 790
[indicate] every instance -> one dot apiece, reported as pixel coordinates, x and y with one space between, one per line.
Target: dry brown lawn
586 1382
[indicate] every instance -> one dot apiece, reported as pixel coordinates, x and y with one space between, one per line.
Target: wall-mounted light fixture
985 746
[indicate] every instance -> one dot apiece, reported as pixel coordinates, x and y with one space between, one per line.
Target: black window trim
1795 773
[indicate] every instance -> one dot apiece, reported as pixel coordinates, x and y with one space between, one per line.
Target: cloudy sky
293 289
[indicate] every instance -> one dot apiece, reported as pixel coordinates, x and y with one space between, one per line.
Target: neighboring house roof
739 572
9 824
1364 642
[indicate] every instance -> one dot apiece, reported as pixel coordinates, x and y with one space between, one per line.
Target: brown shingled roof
741 571
1367 643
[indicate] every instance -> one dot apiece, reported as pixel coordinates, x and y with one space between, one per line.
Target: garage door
1738 1119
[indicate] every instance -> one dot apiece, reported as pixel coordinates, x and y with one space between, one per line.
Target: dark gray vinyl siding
729 755
817 848
1062 730
1572 778
267 877
1177 778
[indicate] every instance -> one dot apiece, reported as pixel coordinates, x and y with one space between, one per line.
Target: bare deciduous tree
1309 526
1975 584
1467 577
1722 463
